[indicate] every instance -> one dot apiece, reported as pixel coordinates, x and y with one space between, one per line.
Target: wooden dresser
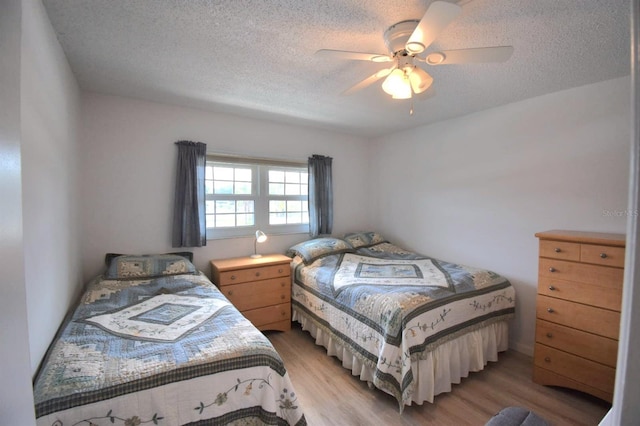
260 288
580 278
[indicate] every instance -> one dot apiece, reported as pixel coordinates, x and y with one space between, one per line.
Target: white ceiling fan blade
420 80
438 16
468 56
359 56
368 81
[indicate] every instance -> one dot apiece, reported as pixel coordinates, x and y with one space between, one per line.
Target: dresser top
248 262
603 238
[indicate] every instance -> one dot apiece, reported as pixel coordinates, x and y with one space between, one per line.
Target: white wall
476 189
16 398
50 100
129 160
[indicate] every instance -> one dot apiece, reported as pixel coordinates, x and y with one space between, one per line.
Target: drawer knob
552 269
233 277
282 296
549 335
283 313
603 255
550 310
230 293
547 359
280 270
282 284
257 274
552 288
557 250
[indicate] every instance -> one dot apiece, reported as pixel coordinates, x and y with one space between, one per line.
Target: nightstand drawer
270 314
586 345
591 274
253 274
608 297
560 250
579 369
576 315
260 293
602 255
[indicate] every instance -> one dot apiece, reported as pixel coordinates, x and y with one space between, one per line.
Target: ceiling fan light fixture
420 80
406 43
397 85
404 92
392 81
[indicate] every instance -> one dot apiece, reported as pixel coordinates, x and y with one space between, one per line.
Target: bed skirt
437 370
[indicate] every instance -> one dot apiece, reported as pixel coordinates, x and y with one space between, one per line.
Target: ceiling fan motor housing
397 35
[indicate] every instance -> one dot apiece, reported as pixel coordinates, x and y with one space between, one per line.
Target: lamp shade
420 80
393 81
261 237
404 91
397 85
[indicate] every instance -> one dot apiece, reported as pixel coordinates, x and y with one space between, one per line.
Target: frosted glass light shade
393 81
404 91
420 80
397 85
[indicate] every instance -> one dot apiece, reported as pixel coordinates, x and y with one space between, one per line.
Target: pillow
128 267
110 256
319 247
364 239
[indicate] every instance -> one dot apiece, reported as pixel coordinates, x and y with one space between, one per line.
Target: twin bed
153 341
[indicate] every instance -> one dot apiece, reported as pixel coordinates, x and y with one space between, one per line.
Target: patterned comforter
164 351
390 307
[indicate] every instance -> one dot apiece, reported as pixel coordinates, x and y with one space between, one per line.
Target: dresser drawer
591 274
579 369
608 297
560 250
258 293
253 274
586 345
602 255
268 315
594 320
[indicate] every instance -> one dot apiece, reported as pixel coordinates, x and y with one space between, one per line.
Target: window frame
260 194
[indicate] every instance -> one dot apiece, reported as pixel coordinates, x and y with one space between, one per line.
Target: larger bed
153 341
410 325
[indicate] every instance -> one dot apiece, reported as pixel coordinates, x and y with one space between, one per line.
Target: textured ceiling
256 57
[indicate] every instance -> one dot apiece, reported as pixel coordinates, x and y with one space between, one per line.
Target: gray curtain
189 228
320 195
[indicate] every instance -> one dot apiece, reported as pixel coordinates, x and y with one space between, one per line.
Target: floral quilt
164 351
389 306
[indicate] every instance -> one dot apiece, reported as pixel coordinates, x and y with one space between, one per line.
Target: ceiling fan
406 42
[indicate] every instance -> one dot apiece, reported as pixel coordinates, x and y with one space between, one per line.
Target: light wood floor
330 395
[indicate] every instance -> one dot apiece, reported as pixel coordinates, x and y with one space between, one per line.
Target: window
243 195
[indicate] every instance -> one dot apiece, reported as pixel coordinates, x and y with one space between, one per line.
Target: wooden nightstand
260 288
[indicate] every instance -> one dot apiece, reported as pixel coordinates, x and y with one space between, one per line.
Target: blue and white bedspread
162 351
390 307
